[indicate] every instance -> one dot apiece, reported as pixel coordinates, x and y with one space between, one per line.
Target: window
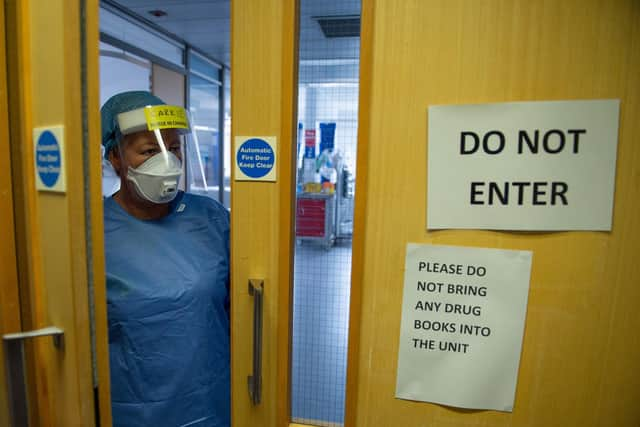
205 174
120 71
327 139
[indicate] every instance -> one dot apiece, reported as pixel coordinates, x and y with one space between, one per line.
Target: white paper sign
463 313
522 165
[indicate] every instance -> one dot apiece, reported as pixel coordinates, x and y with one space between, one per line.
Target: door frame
359 211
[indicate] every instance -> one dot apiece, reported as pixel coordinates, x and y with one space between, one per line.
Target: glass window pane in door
120 71
226 198
203 147
329 43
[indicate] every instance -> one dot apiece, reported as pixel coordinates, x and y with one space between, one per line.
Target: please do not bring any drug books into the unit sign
463 315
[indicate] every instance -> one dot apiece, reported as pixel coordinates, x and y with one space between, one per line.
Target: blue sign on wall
48 159
255 158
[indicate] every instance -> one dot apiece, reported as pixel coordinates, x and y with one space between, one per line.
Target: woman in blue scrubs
167 263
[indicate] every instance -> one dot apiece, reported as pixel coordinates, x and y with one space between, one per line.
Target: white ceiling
205 24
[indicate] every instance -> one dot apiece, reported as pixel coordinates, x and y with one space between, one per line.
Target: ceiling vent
339 25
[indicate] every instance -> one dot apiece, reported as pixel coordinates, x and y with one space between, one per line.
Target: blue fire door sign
255 158
49 158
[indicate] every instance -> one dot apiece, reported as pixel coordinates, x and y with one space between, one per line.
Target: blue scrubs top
168 309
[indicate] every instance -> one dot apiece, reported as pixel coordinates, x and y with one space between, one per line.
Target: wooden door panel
52 56
263 99
579 360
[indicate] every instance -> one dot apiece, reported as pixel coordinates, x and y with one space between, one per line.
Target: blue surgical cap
121 103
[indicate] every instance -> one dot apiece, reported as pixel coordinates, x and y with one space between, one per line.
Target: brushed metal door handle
255 379
14 363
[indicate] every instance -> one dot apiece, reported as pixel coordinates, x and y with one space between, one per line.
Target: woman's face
138 147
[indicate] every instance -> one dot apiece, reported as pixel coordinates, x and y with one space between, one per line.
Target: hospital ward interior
325 213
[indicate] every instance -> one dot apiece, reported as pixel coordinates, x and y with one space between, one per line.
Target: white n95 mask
156 180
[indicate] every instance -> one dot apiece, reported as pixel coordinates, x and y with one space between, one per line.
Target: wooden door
263 100
9 296
579 363
53 270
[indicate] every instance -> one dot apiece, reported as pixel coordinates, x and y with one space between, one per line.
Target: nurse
167 263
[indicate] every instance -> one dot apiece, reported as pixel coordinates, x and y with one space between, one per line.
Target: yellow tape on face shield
152 118
166 117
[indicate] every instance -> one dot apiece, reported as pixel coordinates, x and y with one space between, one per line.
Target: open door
579 362
263 105
52 263
9 297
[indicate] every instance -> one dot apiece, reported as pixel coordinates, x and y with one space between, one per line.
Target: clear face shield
152 139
